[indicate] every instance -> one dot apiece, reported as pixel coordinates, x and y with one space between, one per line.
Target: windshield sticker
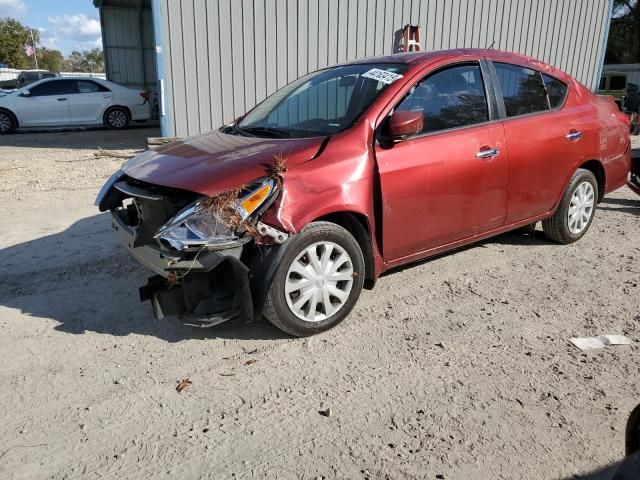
382 75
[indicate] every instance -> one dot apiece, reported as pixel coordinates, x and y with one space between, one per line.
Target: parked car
614 84
27 77
632 99
355 169
70 101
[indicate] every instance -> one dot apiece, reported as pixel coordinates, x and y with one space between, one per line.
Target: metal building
211 60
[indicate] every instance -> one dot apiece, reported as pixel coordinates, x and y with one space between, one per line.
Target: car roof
419 58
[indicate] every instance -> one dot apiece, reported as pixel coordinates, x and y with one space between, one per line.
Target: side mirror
26 93
402 124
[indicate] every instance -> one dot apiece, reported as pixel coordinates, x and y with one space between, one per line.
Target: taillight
145 96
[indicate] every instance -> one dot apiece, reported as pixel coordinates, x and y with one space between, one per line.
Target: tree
75 63
87 61
13 37
623 45
51 60
94 60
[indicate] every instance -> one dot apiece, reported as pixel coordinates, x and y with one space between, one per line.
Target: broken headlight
222 221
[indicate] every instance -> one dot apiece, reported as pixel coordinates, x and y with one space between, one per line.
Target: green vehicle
614 84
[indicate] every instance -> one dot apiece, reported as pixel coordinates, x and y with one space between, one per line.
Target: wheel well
358 226
12 114
595 167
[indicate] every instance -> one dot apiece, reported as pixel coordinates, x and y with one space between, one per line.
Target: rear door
449 181
88 101
48 104
546 138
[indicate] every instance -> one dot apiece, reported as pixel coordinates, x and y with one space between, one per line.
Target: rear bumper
208 288
141 112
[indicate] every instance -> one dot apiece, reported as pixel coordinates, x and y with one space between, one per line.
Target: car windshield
321 103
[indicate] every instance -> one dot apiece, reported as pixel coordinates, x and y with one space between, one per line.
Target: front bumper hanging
204 288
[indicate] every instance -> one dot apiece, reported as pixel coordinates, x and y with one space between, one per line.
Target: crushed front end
212 257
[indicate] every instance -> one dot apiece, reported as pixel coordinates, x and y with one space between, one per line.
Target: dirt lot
454 368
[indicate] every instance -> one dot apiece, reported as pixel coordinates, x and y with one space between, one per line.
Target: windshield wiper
273 131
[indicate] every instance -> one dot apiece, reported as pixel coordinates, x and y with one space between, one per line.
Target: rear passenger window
522 89
556 90
449 98
87 86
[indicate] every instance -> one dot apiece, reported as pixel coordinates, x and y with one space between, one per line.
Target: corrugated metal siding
224 56
127 37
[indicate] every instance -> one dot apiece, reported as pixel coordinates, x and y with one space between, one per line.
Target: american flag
29 50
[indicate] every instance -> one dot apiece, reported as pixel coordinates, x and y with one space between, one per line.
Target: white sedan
58 102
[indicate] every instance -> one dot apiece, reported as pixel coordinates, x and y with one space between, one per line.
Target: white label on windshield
382 75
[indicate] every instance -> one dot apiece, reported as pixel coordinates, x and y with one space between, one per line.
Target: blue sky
65 25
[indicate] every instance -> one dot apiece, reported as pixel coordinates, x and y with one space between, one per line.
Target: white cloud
12 8
78 31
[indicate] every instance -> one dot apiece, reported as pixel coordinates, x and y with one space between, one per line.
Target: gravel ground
454 368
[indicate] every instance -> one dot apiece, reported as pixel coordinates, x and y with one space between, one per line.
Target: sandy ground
455 368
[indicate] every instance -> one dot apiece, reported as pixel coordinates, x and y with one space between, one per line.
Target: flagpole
35 53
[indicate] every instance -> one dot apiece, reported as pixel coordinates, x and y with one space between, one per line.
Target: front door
47 104
449 181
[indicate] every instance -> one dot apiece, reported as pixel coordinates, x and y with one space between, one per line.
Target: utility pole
33 44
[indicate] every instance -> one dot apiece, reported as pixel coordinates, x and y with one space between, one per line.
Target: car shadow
522 237
83 137
623 205
84 280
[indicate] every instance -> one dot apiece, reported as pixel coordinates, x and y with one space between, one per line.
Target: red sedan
349 171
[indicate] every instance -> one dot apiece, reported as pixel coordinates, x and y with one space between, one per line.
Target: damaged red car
352 170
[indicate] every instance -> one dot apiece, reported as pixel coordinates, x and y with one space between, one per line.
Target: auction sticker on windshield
382 75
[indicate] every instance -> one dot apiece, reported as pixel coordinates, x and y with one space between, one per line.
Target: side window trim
488 91
500 97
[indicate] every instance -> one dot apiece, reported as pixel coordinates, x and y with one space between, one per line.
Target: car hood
215 162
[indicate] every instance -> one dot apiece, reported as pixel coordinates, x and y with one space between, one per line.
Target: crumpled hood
215 162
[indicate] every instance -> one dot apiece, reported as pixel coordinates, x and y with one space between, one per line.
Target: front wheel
318 281
576 210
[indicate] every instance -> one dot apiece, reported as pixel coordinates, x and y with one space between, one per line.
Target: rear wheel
318 281
576 210
8 122
116 118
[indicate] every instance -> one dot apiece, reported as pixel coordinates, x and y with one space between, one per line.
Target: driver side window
450 98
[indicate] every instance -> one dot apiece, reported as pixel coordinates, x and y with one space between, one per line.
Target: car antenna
490 47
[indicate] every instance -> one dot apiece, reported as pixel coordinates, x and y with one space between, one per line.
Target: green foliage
623 45
87 61
51 60
13 37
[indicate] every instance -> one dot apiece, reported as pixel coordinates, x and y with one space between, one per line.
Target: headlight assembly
219 222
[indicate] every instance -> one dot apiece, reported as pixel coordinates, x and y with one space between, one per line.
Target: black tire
8 122
277 310
556 227
117 118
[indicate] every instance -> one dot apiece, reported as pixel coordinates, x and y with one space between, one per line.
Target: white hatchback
58 102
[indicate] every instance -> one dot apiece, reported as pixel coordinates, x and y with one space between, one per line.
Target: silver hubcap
319 281
5 122
581 207
117 118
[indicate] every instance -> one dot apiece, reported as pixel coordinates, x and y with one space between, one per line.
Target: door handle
573 135
488 153
61 99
